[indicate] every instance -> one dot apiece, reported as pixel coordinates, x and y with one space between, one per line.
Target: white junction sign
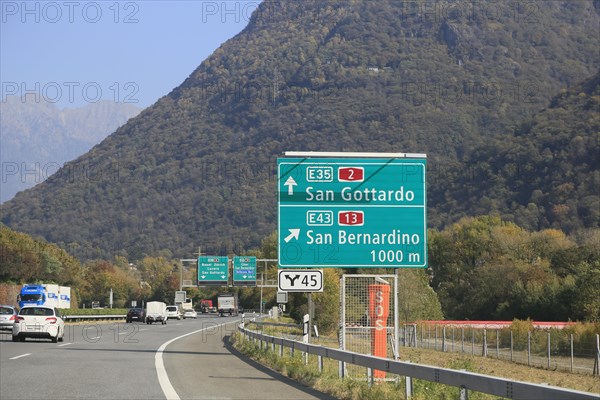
300 280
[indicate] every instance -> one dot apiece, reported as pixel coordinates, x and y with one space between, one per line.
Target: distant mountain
460 81
38 138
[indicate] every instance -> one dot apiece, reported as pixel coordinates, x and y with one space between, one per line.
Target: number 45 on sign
300 280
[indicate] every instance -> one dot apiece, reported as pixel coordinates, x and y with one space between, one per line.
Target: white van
156 311
173 312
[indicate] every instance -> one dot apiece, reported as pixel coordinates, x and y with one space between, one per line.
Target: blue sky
74 52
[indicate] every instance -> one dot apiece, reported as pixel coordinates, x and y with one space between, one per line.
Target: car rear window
172 308
6 310
36 311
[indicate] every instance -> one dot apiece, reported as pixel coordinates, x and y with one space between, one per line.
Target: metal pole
409 387
415 338
462 338
597 354
396 319
260 307
484 349
464 393
341 366
264 276
320 362
311 314
528 348
444 339
511 345
571 340
548 350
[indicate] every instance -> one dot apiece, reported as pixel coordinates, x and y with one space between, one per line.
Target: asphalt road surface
186 359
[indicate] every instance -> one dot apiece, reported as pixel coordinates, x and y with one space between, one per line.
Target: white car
38 322
190 314
8 315
173 312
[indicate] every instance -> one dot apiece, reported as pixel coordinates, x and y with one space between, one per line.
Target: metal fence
552 349
365 308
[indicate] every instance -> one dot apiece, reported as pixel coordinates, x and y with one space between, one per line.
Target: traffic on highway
184 359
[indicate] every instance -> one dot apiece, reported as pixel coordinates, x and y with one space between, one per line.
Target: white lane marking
65 344
163 378
22 355
94 338
145 329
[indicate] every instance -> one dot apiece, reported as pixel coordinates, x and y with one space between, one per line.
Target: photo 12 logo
71 92
227 11
53 12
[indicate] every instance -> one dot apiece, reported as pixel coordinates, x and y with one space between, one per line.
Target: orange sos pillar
379 309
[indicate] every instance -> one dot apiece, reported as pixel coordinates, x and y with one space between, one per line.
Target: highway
185 359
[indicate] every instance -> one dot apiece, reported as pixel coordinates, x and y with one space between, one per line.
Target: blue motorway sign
352 212
213 270
244 271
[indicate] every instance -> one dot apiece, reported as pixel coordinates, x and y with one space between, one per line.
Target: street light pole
181 272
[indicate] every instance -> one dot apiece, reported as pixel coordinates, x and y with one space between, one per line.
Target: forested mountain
38 137
545 174
470 84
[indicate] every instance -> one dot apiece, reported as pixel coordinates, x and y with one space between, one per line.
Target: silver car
39 322
8 316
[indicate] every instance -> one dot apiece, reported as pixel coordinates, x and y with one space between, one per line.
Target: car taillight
19 319
52 320
12 318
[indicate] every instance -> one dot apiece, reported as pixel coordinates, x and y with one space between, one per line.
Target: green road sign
352 212
213 270
244 271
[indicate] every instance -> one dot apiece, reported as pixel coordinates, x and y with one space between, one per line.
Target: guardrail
462 379
75 318
275 324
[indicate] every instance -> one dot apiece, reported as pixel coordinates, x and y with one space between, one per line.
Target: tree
416 298
161 276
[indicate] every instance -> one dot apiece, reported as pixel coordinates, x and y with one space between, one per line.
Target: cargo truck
187 305
227 304
45 294
206 306
156 311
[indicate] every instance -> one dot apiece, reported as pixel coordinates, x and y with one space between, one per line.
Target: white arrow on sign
290 183
294 234
223 276
202 276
